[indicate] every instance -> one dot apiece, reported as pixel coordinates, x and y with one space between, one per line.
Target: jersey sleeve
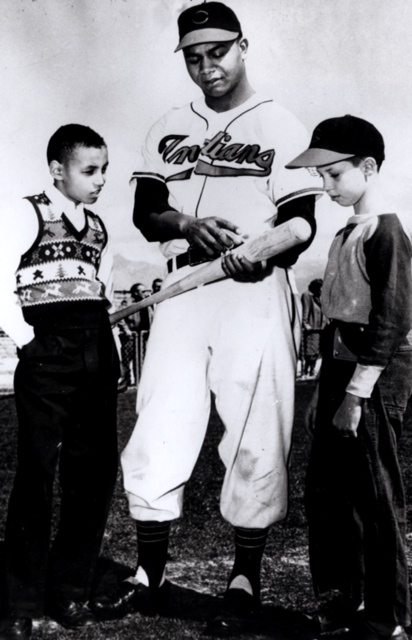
289 184
148 179
149 161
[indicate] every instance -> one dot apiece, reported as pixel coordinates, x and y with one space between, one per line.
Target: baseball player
210 175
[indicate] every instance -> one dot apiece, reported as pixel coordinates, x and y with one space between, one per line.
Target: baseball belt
192 257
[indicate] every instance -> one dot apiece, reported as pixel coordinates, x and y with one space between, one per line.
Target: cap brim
317 158
200 36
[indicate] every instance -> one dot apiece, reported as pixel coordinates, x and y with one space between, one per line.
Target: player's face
343 182
216 67
84 174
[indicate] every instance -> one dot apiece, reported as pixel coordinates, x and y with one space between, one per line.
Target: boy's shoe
71 614
366 632
130 598
16 629
335 616
399 635
237 612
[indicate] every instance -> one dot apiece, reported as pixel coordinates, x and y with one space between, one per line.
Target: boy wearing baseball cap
354 497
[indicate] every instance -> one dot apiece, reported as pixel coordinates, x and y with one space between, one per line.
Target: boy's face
216 67
343 182
83 175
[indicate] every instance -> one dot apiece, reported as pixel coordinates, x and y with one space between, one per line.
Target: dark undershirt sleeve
303 207
151 197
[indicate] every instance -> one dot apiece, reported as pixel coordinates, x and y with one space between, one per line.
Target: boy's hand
347 417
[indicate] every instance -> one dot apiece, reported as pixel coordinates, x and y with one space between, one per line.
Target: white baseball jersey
229 164
232 338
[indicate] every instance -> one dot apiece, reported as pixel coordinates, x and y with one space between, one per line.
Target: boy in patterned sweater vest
354 498
57 259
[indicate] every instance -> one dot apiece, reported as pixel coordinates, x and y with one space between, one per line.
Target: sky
110 64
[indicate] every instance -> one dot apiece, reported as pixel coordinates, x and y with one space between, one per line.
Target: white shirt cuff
363 380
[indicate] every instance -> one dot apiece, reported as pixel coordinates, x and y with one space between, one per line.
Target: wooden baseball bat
268 244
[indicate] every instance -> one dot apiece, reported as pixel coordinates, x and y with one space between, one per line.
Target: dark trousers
355 501
65 391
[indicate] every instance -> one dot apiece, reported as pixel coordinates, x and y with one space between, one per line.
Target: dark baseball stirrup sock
152 545
249 547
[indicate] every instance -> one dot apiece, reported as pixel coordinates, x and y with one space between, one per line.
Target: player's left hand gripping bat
268 244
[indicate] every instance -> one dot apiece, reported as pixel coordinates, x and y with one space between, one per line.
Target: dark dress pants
355 501
65 391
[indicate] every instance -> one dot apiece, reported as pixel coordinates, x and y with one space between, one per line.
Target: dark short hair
315 285
69 137
134 289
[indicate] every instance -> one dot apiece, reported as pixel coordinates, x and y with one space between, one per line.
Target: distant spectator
139 321
313 321
156 285
127 347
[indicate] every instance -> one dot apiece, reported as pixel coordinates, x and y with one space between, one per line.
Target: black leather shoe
237 614
16 629
129 598
367 632
336 615
71 614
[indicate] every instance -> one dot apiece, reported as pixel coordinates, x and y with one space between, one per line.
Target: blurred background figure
134 332
138 321
139 324
127 347
313 322
156 285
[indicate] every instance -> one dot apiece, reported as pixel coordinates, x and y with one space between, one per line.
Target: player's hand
239 268
212 235
347 417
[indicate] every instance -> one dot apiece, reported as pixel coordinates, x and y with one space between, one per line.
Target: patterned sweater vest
61 266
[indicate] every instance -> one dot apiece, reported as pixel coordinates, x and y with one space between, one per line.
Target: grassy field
201 545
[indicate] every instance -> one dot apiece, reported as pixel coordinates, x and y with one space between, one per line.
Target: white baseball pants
236 340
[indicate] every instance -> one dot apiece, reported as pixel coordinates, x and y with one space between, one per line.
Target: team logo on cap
200 17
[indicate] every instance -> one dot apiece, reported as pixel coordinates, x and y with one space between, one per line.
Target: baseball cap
337 139
207 22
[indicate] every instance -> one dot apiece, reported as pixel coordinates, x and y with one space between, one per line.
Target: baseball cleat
237 613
